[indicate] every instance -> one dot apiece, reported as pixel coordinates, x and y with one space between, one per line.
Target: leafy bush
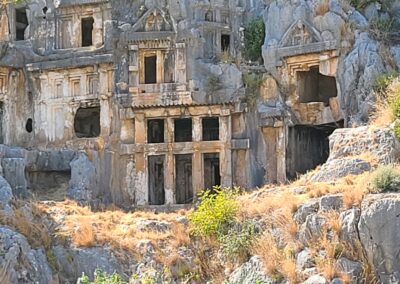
216 210
386 179
213 83
383 81
101 277
254 35
238 241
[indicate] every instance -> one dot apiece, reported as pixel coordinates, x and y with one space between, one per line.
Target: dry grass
322 7
31 226
382 115
83 227
288 269
327 268
84 235
267 248
268 203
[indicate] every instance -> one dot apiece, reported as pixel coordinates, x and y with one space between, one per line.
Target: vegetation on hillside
254 35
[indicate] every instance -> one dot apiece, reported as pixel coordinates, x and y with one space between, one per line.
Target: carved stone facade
136 89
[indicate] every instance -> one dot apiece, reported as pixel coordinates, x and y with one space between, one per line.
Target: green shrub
215 212
236 243
213 83
254 35
385 179
383 81
252 83
396 129
101 277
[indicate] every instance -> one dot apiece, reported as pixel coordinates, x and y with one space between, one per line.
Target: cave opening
308 147
87 122
312 86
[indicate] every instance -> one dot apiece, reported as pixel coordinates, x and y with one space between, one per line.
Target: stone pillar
97 33
169 177
169 166
197 129
180 68
281 154
141 186
133 66
225 155
197 172
197 159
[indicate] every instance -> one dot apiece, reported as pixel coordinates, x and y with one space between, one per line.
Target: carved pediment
154 20
300 33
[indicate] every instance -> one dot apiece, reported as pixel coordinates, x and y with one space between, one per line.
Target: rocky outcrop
379 230
73 262
349 146
250 272
83 179
19 263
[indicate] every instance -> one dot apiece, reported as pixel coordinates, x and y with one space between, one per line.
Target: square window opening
87 122
210 127
155 131
21 23
87 31
183 129
150 69
225 42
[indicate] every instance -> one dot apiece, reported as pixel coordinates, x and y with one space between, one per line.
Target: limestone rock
316 279
311 229
379 229
381 142
349 221
72 262
352 269
304 260
19 263
306 209
83 178
331 202
338 168
5 193
153 225
357 74
250 272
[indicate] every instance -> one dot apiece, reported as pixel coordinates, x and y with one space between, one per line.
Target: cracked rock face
19 263
379 230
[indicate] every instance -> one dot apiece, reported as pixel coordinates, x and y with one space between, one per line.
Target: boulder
5 193
73 262
83 178
250 272
304 260
311 229
335 169
352 269
152 225
381 142
331 202
316 279
306 209
379 230
349 220
19 263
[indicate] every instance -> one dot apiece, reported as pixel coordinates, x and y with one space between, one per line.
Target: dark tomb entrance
156 180
212 176
183 181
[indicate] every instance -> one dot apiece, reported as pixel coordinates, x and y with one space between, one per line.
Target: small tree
254 35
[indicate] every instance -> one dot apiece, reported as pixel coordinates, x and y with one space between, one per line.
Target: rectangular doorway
183 181
212 176
156 180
